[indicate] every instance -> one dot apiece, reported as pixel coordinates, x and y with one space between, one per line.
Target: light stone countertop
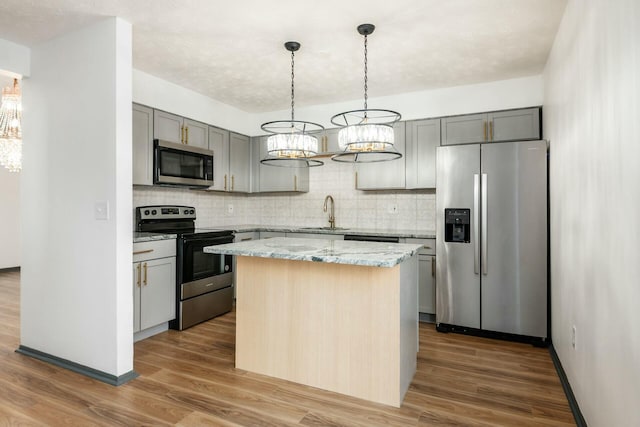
373 254
139 236
416 234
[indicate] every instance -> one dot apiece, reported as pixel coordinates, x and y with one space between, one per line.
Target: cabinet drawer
144 251
428 248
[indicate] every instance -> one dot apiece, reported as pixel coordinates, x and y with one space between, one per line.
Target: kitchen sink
323 228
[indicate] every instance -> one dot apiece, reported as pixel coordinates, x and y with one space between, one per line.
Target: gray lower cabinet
239 163
423 137
154 283
384 175
510 125
142 144
276 178
426 276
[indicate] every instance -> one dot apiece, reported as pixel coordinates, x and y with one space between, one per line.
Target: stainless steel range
204 282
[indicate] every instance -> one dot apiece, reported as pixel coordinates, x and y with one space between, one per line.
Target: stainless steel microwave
182 165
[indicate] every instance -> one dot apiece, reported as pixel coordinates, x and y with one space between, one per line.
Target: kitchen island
337 315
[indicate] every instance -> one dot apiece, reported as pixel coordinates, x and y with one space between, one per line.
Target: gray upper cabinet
384 175
510 125
423 137
174 128
514 125
219 144
168 127
464 129
196 133
328 142
142 143
275 178
239 163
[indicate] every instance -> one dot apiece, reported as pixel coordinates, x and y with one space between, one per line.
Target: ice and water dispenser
457 225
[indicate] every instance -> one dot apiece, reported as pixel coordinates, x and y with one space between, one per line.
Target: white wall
15 59
9 218
591 116
163 95
76 300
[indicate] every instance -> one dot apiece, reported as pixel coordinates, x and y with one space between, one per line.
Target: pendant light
292 142
11 128
366 135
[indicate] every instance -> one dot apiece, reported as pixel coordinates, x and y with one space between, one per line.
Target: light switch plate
101 210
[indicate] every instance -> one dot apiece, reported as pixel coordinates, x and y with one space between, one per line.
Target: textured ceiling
233 51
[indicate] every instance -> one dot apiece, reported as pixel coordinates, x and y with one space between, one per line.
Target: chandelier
366 135
292 142
11 128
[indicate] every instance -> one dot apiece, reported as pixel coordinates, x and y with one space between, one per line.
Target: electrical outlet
573 336
392 209
230 209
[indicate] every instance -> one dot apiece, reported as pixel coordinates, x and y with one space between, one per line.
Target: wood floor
188 379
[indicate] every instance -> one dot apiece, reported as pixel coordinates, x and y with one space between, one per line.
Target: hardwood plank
188 378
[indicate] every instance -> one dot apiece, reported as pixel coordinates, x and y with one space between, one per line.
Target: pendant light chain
292 87
365 75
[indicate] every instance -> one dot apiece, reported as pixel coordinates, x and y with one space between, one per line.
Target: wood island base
350 329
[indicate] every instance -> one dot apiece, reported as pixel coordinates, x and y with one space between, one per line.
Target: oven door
198 265
177 164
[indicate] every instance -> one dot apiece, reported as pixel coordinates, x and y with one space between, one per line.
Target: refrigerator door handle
476 224
484 224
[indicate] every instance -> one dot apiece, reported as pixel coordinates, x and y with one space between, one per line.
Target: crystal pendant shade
292 145
366 137
11 128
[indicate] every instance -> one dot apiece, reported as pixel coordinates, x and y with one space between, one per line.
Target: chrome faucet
332 216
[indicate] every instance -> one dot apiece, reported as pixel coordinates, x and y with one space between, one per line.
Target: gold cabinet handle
356 180
325 143
433 267
186 135
143 252
485 130
181 134
295 183
491 130
138 281
426 247
232 182
225 182
144 266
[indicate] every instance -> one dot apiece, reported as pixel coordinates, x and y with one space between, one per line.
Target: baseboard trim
9 269
573 403
76 367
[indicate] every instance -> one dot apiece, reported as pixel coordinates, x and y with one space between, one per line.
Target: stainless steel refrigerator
491 239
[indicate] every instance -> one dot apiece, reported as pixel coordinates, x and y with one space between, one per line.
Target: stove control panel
165 212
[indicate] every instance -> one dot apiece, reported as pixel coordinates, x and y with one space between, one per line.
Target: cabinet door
168 127
515 125
427 284
196 134
219 144
423 137
328 143
142 142
157 292
384 175
137 282
276 178
464 129
239 163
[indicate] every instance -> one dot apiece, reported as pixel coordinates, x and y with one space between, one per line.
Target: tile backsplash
394 210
